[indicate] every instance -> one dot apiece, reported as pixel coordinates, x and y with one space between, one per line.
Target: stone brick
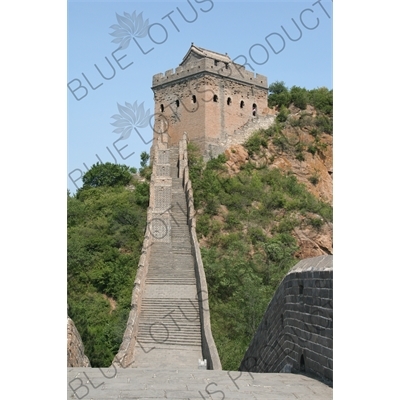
307 325
75 350
211 106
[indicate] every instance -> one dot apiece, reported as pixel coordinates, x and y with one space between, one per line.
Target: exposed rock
314 242
315 172
75 349
320 165
237 155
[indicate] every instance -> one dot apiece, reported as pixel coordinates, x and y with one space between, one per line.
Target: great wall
168 350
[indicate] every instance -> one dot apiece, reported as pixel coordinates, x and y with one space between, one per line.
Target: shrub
232 221
203 224
280 141
254 143
257 235
324 124
283 114
287 224
299 97
314 179
316 222
312 149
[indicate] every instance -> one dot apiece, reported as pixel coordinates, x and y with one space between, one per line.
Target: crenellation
230 71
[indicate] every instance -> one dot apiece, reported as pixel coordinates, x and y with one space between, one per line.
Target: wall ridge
296 332
155 219
209 348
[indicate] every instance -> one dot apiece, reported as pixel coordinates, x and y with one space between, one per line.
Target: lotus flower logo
130 26
131 116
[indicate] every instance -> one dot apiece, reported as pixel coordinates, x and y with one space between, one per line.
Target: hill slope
261 207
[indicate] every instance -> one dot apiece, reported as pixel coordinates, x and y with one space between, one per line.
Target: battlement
226 70
208 96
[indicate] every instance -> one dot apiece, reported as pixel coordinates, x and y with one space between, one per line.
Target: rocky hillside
295 147
261 207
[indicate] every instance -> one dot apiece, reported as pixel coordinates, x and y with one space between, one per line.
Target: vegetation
320 98
107 174
106 224
246 223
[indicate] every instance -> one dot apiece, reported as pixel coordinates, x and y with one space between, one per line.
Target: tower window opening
254 109
215 98
242 104
177 103
194 99
162 107
229 101
215 62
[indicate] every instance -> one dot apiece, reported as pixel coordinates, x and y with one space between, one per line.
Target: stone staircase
169 333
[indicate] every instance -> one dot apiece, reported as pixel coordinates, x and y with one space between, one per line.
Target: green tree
279 94
105 235
144 157
322 100
299 97
107 174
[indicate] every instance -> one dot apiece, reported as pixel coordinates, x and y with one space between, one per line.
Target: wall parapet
230 70
296 332
125 355
241 134
75 349
210 352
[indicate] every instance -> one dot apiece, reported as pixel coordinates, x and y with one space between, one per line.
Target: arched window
242 104
215 98
162 108
177 103
229 101
194 99
254 112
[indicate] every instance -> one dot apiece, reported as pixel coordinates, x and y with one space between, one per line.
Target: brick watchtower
209 97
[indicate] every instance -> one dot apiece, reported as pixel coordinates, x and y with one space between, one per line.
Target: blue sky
255 30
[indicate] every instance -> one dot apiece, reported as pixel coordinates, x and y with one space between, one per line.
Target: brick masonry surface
210 100
75 350
296 332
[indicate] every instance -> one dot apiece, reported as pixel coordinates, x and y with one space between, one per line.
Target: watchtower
209 97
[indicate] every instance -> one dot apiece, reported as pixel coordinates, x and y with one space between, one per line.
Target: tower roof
198 52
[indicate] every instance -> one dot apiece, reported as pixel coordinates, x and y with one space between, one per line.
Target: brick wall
296 332
209 102
210 352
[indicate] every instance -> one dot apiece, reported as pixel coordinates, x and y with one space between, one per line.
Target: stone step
182 268
181 276
178 279
171 325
